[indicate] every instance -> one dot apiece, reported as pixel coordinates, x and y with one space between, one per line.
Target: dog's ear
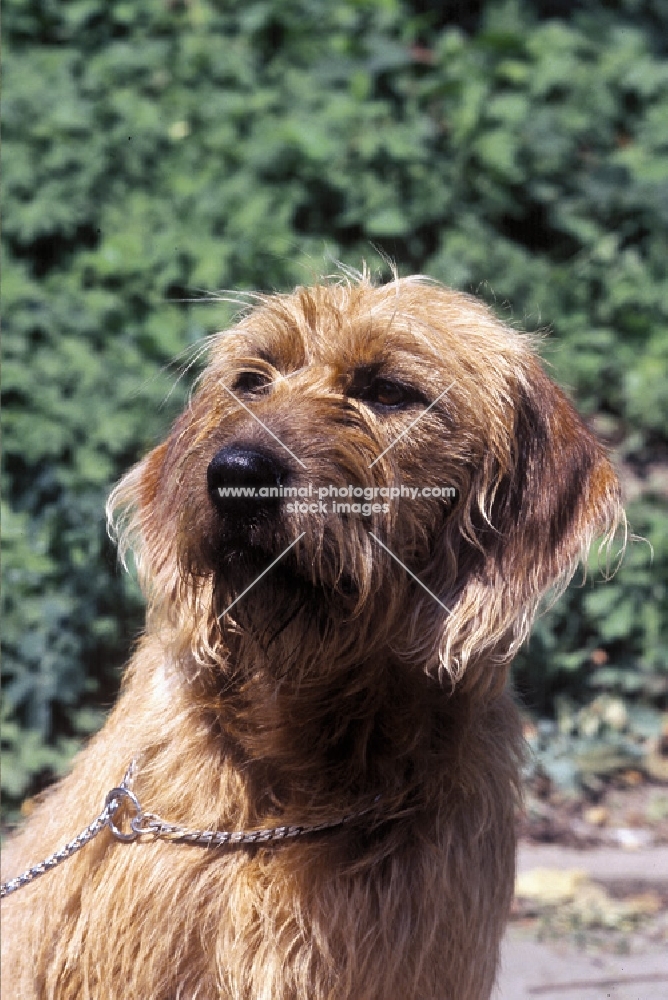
529 520
134 516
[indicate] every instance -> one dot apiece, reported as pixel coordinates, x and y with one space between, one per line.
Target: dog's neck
309 720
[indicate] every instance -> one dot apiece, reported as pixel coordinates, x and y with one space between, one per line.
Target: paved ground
649 864
531 970
559 970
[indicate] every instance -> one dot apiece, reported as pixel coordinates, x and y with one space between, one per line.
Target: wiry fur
337 678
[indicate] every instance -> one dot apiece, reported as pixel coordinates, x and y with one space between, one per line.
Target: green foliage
610 635
155 152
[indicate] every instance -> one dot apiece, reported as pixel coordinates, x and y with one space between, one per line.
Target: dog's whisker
198 352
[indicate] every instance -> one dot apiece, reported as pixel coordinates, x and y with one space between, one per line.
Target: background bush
156 151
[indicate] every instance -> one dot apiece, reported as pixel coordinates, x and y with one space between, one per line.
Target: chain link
148 825
111 806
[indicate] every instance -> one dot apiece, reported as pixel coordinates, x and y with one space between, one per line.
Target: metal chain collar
146 824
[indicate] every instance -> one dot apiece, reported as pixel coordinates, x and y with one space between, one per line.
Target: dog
342 542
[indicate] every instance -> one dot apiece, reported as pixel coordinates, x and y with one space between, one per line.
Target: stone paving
558 969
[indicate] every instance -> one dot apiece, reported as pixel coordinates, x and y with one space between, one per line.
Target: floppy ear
154 505
133 519
534 517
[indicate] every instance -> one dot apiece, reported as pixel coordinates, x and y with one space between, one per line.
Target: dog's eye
251 382
385 392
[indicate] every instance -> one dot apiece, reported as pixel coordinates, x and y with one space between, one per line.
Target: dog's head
392 458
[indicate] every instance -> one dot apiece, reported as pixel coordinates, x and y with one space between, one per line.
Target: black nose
244 481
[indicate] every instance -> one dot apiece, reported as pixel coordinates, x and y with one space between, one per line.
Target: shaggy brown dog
363 675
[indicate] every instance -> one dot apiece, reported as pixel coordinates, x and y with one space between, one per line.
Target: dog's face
396 453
